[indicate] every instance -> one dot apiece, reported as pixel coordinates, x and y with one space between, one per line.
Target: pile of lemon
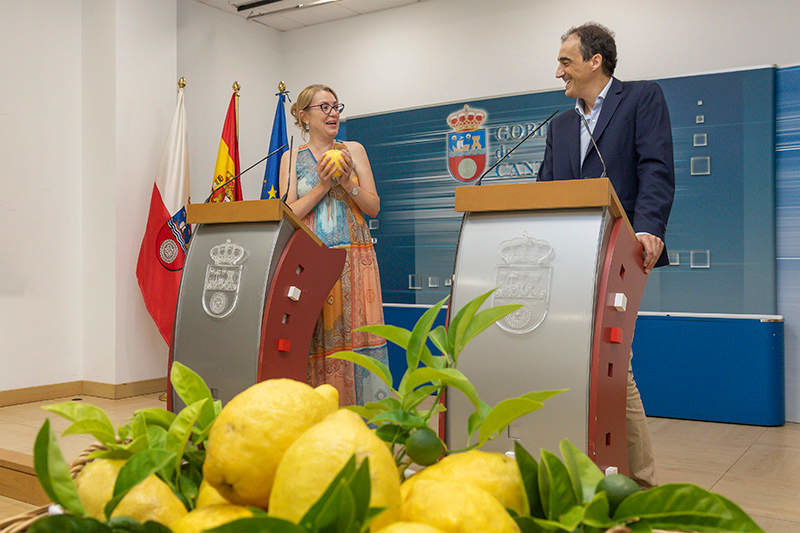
279 444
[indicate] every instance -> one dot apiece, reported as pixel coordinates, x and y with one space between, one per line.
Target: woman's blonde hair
304 100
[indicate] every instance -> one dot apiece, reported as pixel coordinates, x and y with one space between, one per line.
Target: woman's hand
325 169
348 167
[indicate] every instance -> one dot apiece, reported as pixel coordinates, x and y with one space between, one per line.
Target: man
630 124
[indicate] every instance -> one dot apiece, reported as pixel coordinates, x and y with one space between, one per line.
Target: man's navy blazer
634 136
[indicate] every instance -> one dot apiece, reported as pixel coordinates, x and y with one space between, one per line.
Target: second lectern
565 251
253 285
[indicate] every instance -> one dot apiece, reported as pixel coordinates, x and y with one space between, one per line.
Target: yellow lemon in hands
495 473
314 459
338 159
254 430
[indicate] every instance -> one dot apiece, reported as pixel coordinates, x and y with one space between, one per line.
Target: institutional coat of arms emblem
223 279
467 144
523 277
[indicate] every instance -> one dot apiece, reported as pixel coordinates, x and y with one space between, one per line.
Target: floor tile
787 435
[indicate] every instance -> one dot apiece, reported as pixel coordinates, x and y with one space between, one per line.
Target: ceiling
284 15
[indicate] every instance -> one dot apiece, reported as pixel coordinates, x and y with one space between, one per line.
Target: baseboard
90 388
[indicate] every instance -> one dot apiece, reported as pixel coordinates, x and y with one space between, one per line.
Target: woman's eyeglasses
328 108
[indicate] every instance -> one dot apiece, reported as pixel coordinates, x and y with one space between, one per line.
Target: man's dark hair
596 39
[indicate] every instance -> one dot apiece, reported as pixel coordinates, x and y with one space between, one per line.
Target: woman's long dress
353 302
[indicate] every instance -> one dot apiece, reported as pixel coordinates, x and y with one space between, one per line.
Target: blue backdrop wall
721 233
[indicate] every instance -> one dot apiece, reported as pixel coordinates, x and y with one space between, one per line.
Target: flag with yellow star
271 188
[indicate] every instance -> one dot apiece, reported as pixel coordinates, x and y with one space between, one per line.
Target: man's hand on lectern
653 246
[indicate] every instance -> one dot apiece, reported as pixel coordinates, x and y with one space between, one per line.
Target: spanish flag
224 186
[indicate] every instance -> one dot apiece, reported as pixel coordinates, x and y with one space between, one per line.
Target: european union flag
271 188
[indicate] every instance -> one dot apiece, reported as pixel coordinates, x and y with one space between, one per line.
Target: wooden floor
756 467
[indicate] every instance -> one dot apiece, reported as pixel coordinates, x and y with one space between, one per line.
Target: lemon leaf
53 472
191 388
458 326
503 414
371 364
94 428
154 416
555 487
260 524
419 335
78 412
529 471
583 473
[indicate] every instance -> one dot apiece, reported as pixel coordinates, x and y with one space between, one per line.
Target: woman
333 208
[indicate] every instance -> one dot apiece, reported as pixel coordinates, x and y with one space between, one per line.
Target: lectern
566 251
252 288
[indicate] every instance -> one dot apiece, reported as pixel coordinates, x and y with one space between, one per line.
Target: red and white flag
167 235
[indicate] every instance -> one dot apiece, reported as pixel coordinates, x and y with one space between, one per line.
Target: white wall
40 150
91 89
214 50
448 50
146 87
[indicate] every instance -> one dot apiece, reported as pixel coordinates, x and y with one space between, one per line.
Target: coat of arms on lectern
467 144
523 277
223 279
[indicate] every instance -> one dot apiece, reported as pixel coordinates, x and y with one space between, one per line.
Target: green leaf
597 512
439 338
189 484
392 433
400 418
526 524
118 524
419 395
67 523
134 471
310 518
154 527
583 473
94 428
155 416
191 388
542 395
555 487
503 414
448 376
685 507
529 471
419 335
123 432
550 525
181 428
387 404
371 364
360 489
572 517
459 325
53 472
157 437
139 426
486 318
78 412
476 419
393 334
363 412
260 524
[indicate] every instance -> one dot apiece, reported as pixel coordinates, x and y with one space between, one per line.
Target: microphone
589 131
478 181
289 170
216 190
